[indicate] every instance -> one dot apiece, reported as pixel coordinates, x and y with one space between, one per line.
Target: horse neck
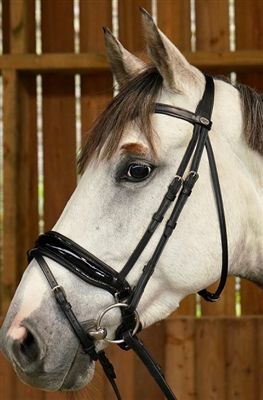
255 166
228 108
250 248
243 166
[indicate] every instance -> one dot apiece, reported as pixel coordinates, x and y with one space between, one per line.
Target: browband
181 113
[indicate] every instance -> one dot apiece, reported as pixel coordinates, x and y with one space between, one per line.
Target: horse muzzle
26 350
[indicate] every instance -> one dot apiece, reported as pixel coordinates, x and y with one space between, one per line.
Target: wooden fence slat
249 24
7 380
180 356
59 144
9 277
22 20
251 299
130 31
27 176
241 356
210 358
259 356
241 353
57 26
94 15
59 139
174 20
20 171
212 25
249 35
96 90
6 26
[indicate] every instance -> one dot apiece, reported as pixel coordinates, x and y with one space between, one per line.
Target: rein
95 272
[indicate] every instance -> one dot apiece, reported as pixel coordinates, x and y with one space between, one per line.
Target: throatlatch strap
208 296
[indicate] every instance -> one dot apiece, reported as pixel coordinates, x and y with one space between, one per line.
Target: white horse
129 160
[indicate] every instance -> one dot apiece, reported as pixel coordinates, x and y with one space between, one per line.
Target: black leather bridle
95 272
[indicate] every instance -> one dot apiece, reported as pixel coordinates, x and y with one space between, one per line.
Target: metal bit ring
98 327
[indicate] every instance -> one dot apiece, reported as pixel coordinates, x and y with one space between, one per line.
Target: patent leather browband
95 272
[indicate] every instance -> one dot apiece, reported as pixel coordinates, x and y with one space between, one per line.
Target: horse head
131 157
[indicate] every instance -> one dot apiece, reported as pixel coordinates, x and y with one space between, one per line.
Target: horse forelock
135 102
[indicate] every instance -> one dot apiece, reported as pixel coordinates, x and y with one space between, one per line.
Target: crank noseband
82 263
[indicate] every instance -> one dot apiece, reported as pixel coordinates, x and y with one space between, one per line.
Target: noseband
95 272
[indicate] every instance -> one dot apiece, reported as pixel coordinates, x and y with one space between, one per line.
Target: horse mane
252 107
136 103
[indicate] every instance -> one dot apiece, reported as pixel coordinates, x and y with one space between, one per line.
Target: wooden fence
217 356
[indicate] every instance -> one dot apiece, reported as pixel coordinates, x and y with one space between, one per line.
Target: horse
150 137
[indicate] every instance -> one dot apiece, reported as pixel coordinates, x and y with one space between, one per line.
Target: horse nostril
28 347
25 350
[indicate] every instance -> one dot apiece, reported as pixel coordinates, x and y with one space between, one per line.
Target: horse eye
138 172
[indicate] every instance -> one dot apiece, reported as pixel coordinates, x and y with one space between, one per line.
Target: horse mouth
80 373
77 375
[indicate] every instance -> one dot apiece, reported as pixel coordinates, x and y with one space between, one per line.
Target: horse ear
124 65
172 65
